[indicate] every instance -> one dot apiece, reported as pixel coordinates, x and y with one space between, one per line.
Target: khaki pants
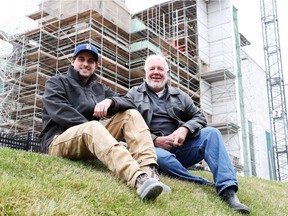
92 139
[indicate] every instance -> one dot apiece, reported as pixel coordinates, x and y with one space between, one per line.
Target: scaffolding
276 89
200 53
46 51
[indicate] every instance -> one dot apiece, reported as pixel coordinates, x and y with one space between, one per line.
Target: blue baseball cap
86 47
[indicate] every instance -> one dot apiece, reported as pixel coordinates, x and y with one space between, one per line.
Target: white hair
156 56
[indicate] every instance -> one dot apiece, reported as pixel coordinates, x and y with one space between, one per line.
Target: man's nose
156 70
85 62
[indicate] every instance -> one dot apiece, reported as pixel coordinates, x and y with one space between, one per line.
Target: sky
249 18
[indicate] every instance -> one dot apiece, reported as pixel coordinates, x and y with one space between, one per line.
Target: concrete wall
220 100
257 112
220 35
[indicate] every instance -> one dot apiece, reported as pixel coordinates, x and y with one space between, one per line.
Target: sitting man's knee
211 130
93 125
132 112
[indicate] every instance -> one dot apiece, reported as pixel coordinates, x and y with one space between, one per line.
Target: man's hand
100 110
165 142
175 139
179 136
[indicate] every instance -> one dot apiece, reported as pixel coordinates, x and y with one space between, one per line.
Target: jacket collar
75 74
171 90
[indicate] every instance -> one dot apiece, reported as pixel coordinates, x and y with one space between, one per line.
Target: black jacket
179 107
68 102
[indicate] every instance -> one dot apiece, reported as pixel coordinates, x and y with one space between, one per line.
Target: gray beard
156 85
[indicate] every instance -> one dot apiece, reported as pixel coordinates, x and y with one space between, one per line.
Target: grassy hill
36 184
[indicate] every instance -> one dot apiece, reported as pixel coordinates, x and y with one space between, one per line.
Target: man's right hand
165 142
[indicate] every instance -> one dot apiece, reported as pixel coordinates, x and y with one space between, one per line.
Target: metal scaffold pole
275 86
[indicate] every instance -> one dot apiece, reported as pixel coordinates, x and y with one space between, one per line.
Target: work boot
230 197
152 172
148 188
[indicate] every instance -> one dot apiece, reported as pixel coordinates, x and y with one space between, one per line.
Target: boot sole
151 192
242 211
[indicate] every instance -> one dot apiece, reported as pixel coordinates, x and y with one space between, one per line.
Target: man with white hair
178 129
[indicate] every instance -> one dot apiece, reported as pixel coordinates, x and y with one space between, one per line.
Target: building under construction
199 38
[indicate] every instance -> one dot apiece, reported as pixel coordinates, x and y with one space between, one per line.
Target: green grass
36 184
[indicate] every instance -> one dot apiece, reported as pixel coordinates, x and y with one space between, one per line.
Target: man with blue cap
73 104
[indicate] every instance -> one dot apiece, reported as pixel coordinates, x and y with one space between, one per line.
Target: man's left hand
100 110
179 136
